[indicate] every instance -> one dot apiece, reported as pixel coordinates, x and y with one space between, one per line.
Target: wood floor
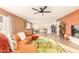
66 44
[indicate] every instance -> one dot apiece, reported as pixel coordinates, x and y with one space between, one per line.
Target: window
75 30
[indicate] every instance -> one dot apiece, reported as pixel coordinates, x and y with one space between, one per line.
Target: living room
44 21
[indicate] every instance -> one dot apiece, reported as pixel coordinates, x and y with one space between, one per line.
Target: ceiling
27 13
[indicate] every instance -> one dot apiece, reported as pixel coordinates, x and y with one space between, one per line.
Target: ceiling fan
41 10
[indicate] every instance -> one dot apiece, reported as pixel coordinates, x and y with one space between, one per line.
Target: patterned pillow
22 35
12 42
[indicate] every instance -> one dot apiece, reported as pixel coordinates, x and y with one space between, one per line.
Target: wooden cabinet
19 25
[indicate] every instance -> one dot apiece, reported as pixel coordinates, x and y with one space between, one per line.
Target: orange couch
23 47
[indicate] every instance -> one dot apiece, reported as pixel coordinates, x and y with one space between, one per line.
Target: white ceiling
27 13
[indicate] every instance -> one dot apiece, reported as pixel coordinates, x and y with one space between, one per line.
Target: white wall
57 27
28 25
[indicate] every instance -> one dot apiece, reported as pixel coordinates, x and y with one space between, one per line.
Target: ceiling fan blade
35 9
44 8
36 13
47 11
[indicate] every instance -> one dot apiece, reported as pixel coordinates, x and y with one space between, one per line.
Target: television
75 30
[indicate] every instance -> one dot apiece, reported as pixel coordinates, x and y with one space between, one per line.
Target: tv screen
75 30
